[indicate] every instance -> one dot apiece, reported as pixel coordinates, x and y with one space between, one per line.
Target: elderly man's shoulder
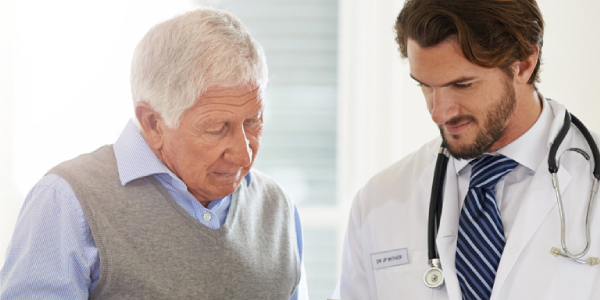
266 186
260 180
97 169
98 162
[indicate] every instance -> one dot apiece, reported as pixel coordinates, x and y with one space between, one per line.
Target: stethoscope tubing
435 207
437 189
590 140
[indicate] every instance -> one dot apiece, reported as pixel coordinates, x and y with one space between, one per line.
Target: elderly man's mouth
227 175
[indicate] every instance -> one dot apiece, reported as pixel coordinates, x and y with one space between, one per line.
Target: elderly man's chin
224 184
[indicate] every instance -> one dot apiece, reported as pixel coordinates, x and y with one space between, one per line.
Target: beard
496 121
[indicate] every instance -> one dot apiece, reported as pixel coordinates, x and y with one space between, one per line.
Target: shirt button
207 217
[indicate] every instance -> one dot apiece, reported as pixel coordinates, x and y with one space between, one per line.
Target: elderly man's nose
239 151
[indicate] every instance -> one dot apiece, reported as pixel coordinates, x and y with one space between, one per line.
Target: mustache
461 119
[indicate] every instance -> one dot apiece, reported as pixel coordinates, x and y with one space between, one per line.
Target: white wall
56 58
9 201
383 115
570 57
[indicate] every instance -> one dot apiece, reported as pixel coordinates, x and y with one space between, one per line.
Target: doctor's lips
455 125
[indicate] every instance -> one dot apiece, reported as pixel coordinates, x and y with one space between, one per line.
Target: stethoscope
434 276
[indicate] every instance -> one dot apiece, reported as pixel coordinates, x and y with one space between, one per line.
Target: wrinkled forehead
236 96
226 103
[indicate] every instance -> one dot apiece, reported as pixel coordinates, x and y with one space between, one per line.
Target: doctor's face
471 105
216 142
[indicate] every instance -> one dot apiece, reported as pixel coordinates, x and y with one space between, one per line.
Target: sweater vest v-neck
151 248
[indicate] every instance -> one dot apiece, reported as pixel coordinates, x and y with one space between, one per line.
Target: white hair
179 59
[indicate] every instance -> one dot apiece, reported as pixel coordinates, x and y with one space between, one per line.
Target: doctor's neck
527 111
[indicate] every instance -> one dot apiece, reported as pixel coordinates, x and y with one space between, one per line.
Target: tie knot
488 170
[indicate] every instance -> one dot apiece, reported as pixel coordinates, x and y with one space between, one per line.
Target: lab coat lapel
537 204
446 238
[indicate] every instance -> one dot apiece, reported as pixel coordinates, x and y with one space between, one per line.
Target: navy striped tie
480 231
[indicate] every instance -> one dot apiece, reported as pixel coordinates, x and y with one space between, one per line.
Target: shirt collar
526 149
135 159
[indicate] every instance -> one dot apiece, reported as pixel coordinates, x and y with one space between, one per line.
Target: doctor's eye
463 86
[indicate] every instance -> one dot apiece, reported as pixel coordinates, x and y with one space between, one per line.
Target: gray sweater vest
150 248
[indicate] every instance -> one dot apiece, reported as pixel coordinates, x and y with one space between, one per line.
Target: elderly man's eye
216 131
253 121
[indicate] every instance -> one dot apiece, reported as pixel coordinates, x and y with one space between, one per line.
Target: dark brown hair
492 33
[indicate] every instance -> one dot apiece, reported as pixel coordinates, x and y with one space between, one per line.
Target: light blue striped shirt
52 254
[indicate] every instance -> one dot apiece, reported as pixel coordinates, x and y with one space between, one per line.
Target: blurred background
340 104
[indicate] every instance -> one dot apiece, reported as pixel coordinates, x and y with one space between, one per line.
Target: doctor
477 62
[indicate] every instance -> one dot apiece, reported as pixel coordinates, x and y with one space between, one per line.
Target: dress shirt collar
526 149
135 159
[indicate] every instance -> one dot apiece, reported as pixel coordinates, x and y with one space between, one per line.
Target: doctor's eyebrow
453 82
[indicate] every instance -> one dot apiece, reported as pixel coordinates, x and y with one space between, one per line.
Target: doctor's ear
152 124
523 69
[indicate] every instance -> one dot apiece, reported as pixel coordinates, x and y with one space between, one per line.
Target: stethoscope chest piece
434 277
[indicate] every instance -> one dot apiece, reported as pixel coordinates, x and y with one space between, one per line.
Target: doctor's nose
441 107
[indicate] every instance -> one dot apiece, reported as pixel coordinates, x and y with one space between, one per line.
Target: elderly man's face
216 142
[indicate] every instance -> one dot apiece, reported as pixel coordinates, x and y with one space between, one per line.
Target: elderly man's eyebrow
459 80
228 95
201 120
258 113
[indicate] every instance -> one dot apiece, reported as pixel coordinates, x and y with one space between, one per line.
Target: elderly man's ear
152 124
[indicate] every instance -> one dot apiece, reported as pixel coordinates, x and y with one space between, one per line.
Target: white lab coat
391 212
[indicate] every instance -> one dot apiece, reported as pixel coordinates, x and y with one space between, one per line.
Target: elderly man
172 210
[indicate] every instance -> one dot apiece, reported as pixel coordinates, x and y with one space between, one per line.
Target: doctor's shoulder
403 177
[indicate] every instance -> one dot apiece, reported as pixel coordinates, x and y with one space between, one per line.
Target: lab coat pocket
404 281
